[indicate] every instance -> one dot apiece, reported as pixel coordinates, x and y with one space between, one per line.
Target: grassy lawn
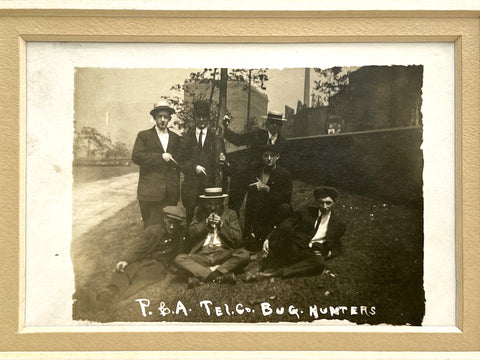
378 279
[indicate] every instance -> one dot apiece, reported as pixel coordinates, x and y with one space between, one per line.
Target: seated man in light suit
218 240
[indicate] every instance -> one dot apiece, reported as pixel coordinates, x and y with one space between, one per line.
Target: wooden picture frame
17 27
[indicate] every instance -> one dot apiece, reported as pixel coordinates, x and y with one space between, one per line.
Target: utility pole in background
222 101
306 88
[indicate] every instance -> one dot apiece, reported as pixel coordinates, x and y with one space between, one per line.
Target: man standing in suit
218 239
268 199
156 152
254 140
202 158
301 245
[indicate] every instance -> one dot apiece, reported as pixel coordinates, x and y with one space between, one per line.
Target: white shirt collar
272 137
197 131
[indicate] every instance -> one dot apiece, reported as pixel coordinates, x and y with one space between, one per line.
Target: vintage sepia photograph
248 195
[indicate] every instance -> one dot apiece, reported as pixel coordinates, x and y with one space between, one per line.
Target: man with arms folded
268 198
254 140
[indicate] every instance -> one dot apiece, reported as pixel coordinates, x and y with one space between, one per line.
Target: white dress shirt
197 134
321 233
272 138
163 136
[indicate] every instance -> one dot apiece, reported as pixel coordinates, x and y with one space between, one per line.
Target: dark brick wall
385 165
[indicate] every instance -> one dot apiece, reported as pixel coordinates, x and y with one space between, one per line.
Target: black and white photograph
222 193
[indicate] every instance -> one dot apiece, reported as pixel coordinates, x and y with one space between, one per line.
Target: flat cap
324 191
174 212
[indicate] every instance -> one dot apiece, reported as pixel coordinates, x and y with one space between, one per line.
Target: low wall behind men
384 164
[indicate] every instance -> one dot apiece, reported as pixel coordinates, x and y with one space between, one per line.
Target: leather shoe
228 278
193 282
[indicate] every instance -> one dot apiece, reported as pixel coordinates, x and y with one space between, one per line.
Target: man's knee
283 211
242 254
153 231
181 258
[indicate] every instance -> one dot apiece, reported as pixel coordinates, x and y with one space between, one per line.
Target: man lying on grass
301 245
147 263
218 240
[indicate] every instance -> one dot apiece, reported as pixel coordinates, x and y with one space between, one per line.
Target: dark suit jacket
304 226
207 156
262 202
230 232
158 178
255 140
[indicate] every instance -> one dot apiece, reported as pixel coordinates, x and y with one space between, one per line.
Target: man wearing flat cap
254 140
301 245
156 151
145 263
268 198
202 158
218 239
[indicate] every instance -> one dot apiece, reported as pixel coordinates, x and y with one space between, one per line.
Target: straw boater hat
275 115
162 105
213 193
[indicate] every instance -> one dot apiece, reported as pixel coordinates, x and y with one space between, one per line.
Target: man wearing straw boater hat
218 242
254 140
156 151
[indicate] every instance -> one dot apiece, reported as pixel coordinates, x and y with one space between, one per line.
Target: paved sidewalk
96 201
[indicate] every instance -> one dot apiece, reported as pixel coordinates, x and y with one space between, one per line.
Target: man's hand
201 170
266 246
222 158
260 185
226 121
214 219
168 157
121 265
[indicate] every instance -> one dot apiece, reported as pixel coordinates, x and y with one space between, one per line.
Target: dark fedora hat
201 107
162 105
213 193
325 191
275 115
270 147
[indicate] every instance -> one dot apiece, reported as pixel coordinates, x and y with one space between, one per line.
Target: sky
284 87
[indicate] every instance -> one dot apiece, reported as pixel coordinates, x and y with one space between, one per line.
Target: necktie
270 142
200 139
317 224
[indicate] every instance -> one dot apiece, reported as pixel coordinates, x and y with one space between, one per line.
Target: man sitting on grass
218 240
302 244
146 264
268 198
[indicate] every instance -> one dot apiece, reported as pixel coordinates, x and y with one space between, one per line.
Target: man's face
213 205
273 126
324 204
270 158
162 118
201 120
171 225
